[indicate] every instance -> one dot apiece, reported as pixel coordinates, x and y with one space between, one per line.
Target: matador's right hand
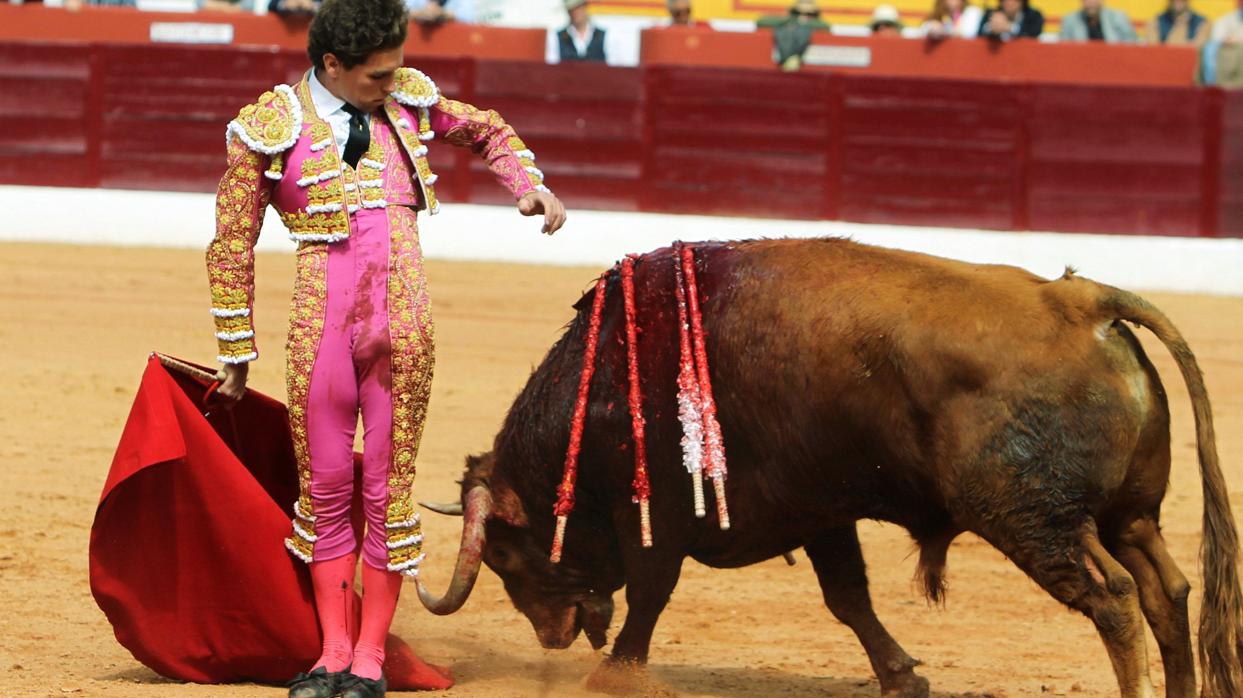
232 383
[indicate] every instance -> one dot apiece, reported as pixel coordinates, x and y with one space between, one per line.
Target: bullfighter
343 158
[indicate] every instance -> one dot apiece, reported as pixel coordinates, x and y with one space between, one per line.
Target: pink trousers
353 373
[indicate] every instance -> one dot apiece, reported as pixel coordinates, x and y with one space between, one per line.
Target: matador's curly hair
352 30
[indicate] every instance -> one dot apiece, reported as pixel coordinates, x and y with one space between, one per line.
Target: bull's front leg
838 561
651 575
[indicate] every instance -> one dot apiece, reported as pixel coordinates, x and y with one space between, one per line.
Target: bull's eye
501 557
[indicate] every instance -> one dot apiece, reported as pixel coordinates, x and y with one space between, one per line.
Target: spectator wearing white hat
886 21
581 39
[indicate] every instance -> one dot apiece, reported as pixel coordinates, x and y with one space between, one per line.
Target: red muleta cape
186 554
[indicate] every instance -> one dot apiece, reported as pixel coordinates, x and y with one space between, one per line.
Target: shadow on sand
732 682
569 673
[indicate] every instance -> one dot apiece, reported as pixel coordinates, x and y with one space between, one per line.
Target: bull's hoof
622 678
910 686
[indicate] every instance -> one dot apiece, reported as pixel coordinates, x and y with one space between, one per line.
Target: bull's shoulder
414 89
270 124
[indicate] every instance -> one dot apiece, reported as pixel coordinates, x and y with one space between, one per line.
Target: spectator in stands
1012 19
77 4
1228 29
1095 22
226 5
1178 25
792 34
953 18
433 12
293 8
886 21
581 40
1221 60
680 15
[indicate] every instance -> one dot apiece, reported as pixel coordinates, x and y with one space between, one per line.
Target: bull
856 382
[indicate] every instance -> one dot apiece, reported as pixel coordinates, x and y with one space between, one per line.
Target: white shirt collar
326 103
582 42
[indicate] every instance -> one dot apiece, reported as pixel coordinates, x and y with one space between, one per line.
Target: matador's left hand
534 203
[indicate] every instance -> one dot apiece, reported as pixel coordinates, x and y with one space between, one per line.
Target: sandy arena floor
77 323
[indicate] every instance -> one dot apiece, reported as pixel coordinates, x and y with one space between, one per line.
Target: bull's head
559 599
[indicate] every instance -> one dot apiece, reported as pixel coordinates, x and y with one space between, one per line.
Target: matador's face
367 84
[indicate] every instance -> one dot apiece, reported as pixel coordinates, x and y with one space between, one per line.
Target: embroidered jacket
280 151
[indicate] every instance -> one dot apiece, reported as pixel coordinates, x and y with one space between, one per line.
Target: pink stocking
333 581
380 591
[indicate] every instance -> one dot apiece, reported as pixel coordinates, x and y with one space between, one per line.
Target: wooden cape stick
184 368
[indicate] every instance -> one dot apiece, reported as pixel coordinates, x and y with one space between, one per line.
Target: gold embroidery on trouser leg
306 326
410 331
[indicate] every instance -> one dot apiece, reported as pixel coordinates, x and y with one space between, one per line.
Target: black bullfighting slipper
320 683
358 687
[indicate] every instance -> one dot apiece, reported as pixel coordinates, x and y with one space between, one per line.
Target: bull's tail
1221 612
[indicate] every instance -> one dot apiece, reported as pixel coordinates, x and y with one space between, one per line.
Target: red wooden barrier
1230 193
584 122
1133 161
737 142
974 154
932 153
47 134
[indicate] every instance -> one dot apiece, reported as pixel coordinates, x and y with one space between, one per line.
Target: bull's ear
480 465
508 508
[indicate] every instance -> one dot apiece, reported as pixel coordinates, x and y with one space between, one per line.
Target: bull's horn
448 508
470 555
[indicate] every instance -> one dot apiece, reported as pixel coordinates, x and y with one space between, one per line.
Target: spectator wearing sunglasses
792 34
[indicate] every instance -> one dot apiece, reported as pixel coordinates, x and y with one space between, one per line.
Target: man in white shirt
581 39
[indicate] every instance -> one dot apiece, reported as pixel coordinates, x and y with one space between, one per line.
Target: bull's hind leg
1163 594
1080 573
838 562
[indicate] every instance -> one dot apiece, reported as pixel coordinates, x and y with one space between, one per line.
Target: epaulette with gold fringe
414 89
272 124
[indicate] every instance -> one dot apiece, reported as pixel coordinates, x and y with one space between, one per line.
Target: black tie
360 135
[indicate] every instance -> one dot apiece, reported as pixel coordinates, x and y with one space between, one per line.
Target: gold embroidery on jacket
416 151
487 135
270 125
240 200
306 326
413 361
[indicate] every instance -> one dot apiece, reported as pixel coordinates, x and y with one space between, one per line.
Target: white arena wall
598 238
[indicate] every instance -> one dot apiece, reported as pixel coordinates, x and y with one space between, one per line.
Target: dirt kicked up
77 323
